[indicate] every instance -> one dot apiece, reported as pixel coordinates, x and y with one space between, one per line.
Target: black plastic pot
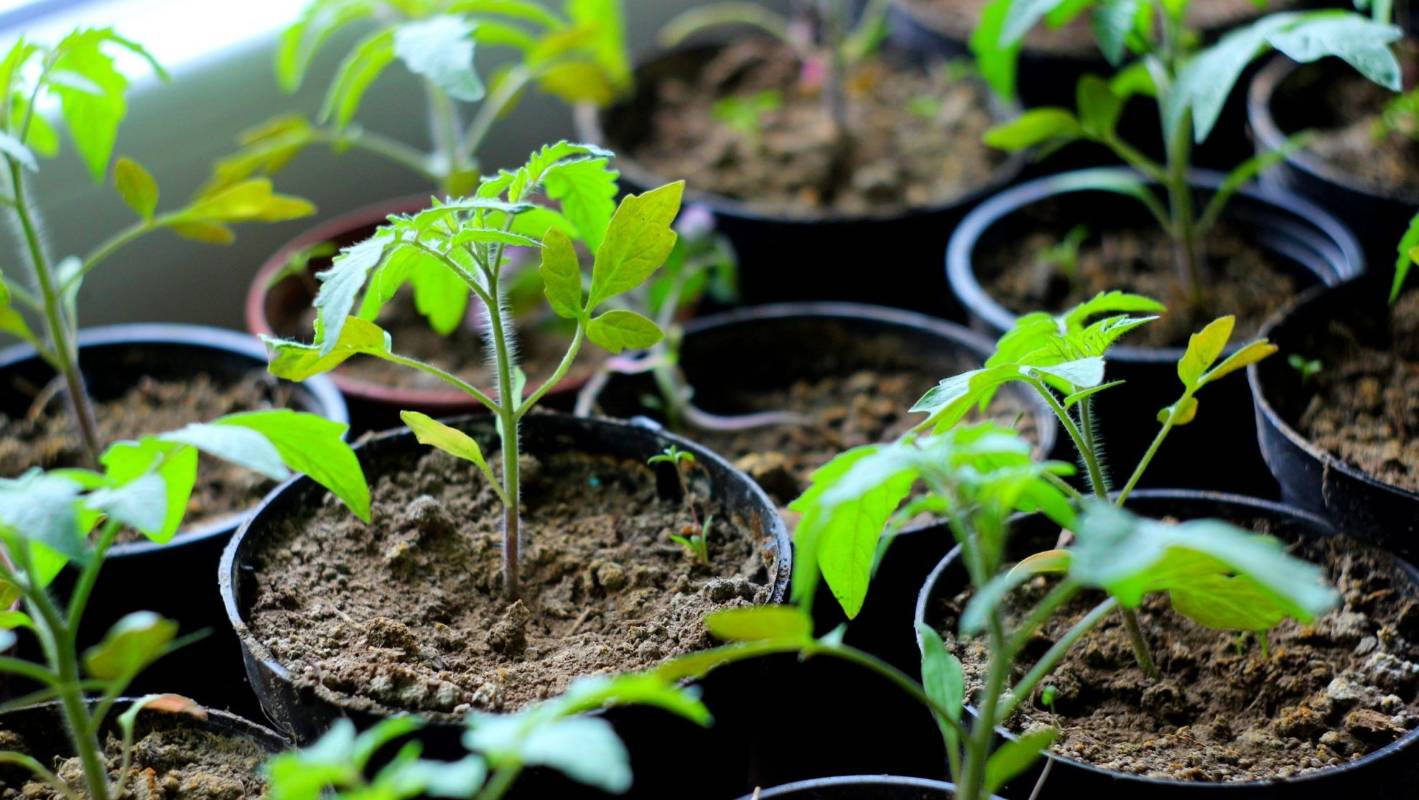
859 787
1386 773
772 347
173 579
1313 245
1287 98
1310 477
46 738
786 256
659 743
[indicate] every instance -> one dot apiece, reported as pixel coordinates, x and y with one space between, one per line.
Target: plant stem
832 16
1091 462
444 132
1145 461
1052 657
972 783
493 107
1141 652
61 340
892 675
509 431
502 781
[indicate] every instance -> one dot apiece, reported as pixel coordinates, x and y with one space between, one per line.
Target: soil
845 411
45 438
959 18
408 613
1385 162
541 344
1365 408
1325 694
173 760
915 134
1239 278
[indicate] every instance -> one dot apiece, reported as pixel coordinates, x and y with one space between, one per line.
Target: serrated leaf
586 190
561 275
1203 349
296 361
441 49
758 623
92 119
638 240
1014 757
619 329
136 186
341 283
134 642
1034 127
440 295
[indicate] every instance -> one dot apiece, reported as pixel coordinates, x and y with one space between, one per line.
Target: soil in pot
173 757
1364 406
915 132
408 613
1321 695
44 437
960 17
842 411
1238 276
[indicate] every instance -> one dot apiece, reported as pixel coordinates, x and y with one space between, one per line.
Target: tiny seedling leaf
942 677
1034 127
1203 350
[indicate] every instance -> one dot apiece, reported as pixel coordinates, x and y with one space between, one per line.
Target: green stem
1062 593
509 431
1051 659
446 377
1091 461
39 771
444 130
384 147
508 90
972 782
577 339
501 782
1146 460
62 344
1141 652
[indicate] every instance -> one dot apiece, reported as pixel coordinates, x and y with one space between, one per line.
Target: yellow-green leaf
131 644
1203 348
619 330
456 443
136 186
205 232
637 242
561 274
296 361
1250 354
1182 412
758 623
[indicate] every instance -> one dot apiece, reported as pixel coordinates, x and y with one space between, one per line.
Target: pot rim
1316 295
786 789
1270 136
1323 528
329 403
960 272
255 649
590 127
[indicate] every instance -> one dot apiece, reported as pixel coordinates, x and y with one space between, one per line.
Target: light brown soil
1385 161
46 439
1325 694
915 135
173 760
407 613
1365 408
1239 279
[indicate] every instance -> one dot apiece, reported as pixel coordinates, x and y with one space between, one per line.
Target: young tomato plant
578 55
1063 360
79 73
72 516
696 540
462 243
554 734
1188 86
982 476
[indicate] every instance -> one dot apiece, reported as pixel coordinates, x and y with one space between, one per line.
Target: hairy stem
61 336
1145 461
444 132
509 431
1141 652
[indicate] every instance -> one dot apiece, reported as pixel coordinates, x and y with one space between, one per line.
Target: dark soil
1387 162
960 17
844 411
408 613
1326 693
45 437
1365 408
173 760
914 133
541 344
1239 278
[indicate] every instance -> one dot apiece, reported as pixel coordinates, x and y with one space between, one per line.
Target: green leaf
587 191
295 361
757 623
176 464
1075 397
607 43
1181 412
1014 757
13 323
339 285
246 448
92 118
1034 127
1099 107
584 749
359 69
638 240
1355 39
205 232
136 186
591 692
1112 22
619 329
1083 373
14 148
441 49
1132 80
1111 181
140 504
997 62
456 443
942 678
1022 16
440 294
988 598
1251 353
134 642
319 20
561 275
43 508
1244 174
314 446
1203 349
253 199
1407 244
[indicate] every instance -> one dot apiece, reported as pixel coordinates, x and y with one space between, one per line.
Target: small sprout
696 544
1064 255
926 106
746 115
1047 696
1307 367
696 539
673 455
